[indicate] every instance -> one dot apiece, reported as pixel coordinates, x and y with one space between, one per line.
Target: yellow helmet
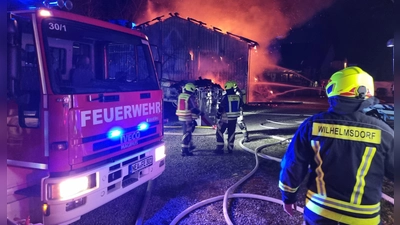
234 84
229 85
190 87
351 82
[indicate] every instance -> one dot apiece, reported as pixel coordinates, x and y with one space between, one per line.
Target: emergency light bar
60 3
124 23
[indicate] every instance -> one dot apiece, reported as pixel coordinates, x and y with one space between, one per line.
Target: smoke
259 20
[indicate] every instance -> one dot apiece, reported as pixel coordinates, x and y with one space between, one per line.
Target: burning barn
192 51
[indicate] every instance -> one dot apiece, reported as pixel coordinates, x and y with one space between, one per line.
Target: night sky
348 29
356 32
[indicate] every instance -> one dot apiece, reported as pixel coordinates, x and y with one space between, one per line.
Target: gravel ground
190 180
205 176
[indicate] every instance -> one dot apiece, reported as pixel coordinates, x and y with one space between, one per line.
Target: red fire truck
84 115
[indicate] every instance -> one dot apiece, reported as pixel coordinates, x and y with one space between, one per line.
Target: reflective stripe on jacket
230 106
187 109
182 109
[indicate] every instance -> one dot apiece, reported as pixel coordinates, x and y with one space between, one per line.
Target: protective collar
345 105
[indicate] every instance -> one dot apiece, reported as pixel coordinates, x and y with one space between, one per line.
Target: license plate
141 164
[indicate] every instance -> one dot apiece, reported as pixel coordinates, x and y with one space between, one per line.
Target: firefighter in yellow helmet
187 111
346 154
229 110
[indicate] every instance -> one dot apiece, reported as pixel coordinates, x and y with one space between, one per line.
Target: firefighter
228 112
240 120
82 74
346 154
187 112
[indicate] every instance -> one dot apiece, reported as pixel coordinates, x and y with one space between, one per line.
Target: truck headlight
71 187
160 153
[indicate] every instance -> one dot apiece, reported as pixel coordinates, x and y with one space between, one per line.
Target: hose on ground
234 186
221 197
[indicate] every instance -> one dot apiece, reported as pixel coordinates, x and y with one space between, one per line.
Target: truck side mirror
13 53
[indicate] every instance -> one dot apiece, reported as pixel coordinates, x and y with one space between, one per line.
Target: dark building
190 50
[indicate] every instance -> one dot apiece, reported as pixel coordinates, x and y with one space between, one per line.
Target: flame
191 55
214 79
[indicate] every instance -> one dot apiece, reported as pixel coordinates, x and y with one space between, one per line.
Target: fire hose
228 194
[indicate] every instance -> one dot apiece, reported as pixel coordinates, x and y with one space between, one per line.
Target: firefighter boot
192 147
186 152
246 138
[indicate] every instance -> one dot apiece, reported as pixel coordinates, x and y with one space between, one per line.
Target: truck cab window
116 61
122 63
80 49
82 73
57 64
144 66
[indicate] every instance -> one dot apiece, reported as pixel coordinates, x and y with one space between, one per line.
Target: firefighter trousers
221 127
187 128
243 128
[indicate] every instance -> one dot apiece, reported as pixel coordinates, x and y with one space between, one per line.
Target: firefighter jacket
230 106
346 154
242 94
187 109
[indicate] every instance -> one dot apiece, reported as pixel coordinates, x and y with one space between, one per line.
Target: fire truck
84 115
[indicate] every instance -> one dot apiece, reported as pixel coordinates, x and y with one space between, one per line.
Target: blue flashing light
115 133
125 23
25 1
143 126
